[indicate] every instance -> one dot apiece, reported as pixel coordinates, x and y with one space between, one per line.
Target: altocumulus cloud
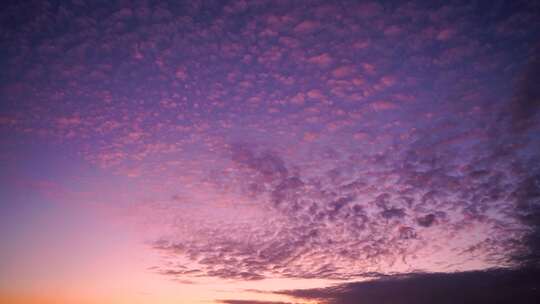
296 148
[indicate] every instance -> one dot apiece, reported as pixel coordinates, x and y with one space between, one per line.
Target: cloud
342 71
393 212
306 26
249 302
341 223
382 105
526 102
516 122
528 196
322 59
427 220
490 286
363 128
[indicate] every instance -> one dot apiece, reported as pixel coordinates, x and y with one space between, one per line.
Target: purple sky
271 145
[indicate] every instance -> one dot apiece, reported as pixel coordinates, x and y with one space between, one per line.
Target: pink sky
236 151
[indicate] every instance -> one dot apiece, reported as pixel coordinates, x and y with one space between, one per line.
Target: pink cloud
392 30
236 7
306 26
445 34
298 99
322 59
358 81
361 44
289 42
310 136
388 80
369 9
278 21
7 120
368 67
69 121
342 71
382 105
360 135
315 94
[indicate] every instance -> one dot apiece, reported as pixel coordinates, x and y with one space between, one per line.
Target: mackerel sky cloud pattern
338 140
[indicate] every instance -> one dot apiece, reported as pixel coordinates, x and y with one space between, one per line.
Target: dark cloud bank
493 286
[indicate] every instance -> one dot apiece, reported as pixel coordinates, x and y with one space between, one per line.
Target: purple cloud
329 140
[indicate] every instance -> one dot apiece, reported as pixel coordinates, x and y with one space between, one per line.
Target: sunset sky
267 152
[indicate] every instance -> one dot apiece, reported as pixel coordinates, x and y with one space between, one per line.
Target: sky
269 152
